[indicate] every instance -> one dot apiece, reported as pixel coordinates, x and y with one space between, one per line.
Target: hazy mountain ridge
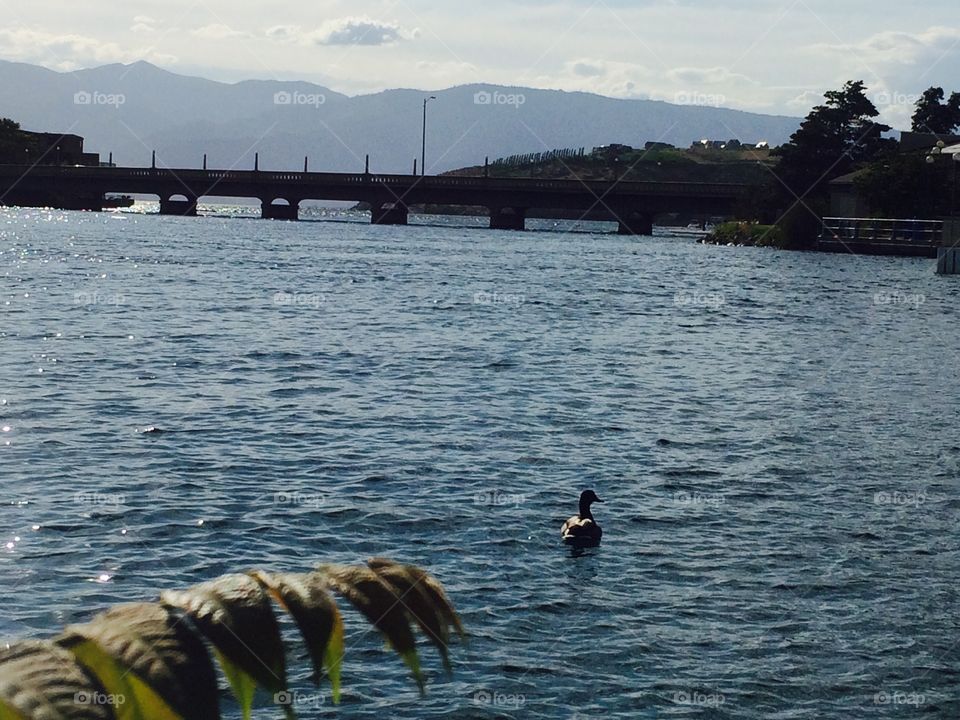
132 109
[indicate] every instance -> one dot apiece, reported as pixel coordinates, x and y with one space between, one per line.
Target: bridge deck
305 180
633 204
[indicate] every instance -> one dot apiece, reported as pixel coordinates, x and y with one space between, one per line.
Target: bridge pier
508 218
269 211
187 207
948 254
636 223
389 214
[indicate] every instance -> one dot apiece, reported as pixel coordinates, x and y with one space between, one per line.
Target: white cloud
71 51
344 31
452 72
898 66
901 48
218 31
587 68
616 79
703 76
357 31
144 24
283 32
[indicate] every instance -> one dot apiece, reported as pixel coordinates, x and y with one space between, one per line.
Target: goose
582 530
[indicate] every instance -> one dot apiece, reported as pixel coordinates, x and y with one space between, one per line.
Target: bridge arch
508 218
280 208
178 203
389 212
635 222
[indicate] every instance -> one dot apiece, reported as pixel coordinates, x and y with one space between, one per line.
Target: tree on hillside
933 115
833 139
14 143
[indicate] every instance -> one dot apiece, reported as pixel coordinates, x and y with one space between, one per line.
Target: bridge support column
389 214
508 218
636 223
186 207
269 211
948 255
948 261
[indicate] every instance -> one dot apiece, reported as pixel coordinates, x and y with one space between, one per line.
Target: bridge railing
881 231
212 177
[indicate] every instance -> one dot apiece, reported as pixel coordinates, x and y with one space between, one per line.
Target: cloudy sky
774 56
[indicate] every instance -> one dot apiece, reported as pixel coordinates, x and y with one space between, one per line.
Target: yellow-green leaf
39 679
8 712
431 587
130 697
379 604
432 612
243 685
146 640
313 609
235 615
333 659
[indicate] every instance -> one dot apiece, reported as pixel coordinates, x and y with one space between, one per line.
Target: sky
771 56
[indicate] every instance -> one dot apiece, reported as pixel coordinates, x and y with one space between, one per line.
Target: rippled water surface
775 436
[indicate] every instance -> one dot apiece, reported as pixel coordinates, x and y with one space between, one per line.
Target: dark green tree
907 186
17 146
832 141
933 115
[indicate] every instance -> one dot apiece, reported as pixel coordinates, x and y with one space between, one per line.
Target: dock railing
881 232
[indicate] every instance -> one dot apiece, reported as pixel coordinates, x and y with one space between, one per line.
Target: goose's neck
585 513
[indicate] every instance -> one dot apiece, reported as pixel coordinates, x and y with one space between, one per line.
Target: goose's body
581 529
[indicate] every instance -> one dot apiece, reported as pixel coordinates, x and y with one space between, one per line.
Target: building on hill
706 144
57 149
612 151
916 141
658 146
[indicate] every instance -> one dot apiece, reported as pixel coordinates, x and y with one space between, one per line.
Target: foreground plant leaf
305 597
378 603
243 685
133 699
39 679
161 664
150 661
235 615
424 601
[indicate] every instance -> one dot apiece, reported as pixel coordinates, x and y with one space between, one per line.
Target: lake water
775 436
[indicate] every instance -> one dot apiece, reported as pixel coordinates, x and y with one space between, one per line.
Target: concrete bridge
632 204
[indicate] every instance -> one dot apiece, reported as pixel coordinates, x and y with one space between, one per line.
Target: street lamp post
953 189
423 150
935 152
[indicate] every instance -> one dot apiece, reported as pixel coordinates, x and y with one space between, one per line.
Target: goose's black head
587 498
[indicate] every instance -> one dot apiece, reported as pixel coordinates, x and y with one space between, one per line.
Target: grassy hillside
663 164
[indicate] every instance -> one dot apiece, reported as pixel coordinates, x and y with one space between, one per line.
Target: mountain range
131 110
